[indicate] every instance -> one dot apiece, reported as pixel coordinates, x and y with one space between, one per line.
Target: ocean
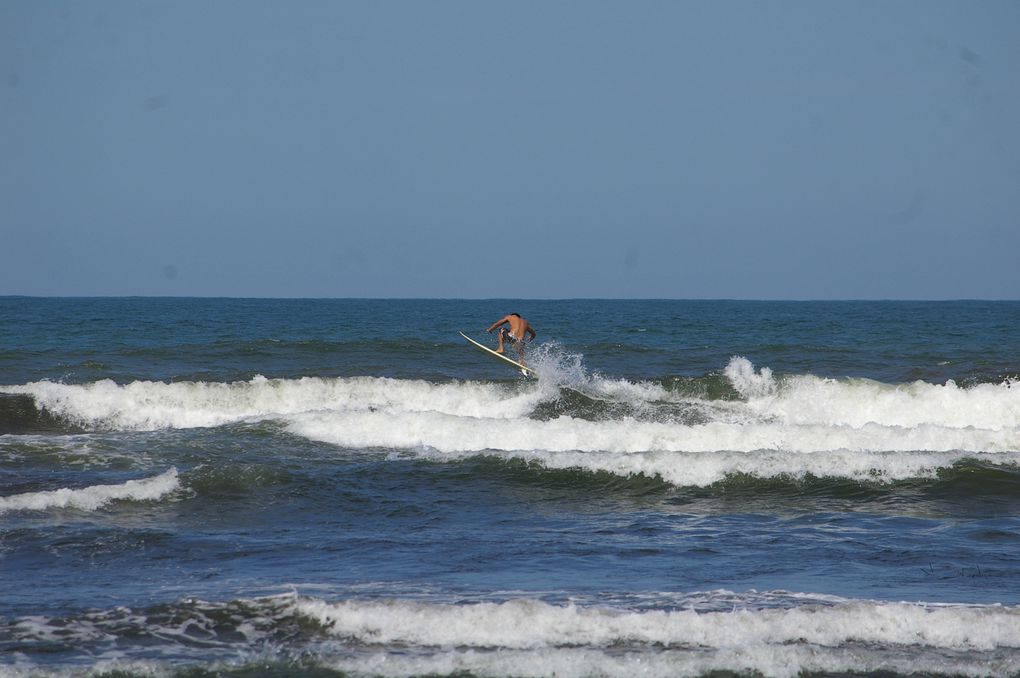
246 487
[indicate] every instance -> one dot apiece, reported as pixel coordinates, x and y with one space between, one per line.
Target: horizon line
538 299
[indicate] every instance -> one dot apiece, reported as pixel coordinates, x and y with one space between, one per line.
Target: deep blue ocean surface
346 487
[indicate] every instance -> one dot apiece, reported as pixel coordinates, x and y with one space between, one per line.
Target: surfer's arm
501 321
531 332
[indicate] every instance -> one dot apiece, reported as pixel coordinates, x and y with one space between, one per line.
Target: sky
823 149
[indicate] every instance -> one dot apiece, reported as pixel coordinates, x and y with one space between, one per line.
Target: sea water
346 487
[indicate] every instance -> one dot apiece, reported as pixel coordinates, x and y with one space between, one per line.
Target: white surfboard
524 369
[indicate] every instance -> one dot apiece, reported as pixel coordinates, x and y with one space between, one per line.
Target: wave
778 662
698 456
532 624
148 405
797 400
771 633
767 427
452 434
19 415
94 497
806 399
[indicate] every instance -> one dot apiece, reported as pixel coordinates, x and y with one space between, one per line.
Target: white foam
532 638
684 455
557 367
769 660
806 399
448 433
148 405
770 633
749 383
94 497
790 426
532 624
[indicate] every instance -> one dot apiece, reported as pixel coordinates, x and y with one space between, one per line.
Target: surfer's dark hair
516 314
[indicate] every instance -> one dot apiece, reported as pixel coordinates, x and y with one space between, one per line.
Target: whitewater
795 426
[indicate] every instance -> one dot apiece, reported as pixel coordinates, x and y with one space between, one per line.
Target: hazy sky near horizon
757 150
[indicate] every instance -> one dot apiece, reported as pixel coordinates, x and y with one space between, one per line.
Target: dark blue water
209 486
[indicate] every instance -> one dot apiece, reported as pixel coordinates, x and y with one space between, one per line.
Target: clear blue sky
792 150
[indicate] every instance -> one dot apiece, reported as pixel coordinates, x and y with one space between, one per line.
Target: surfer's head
516 314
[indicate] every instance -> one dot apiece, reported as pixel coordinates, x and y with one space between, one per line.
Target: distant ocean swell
772 633
794 426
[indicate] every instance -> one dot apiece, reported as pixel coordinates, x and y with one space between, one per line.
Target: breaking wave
771 633
791 426
94 497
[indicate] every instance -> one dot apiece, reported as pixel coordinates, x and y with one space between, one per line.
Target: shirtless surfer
519 328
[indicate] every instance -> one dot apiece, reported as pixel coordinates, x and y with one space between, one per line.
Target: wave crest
793 426
771 633
532 624
94 497
807 399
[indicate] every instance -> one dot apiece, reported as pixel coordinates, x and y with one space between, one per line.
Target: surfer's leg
499 349
519 347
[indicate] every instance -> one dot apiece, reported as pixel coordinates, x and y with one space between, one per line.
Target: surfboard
524 369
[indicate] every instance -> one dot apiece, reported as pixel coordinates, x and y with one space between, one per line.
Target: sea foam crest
682 455
789 426
94 497
148 405
532 624
798 400
453 434
785 661
807 399
702 633
533 638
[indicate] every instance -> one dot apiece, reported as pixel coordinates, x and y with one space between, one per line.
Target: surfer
515 334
